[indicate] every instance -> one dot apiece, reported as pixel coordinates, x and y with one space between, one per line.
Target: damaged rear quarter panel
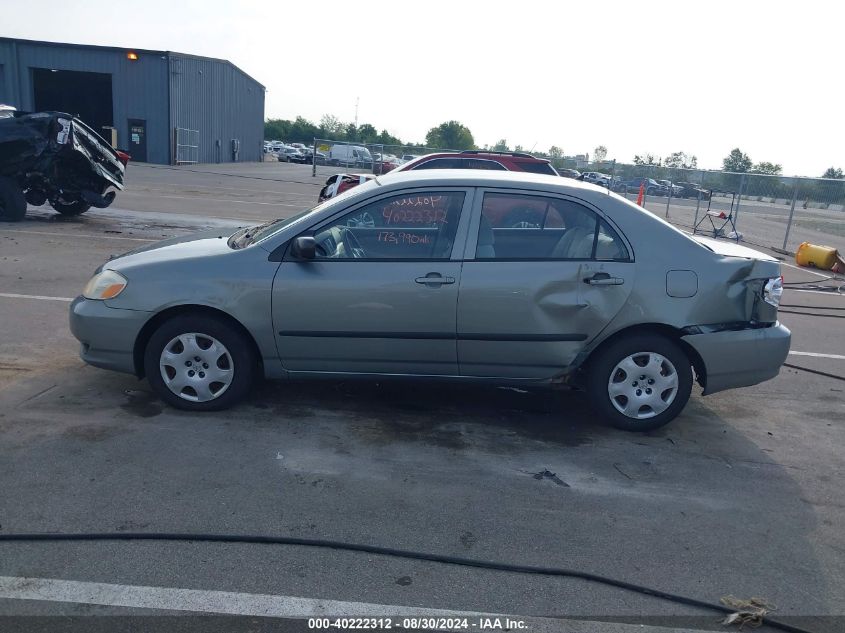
729 287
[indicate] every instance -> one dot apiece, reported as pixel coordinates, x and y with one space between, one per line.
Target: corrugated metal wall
222 103
139 88
211 96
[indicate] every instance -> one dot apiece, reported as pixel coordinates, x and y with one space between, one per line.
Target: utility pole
357 99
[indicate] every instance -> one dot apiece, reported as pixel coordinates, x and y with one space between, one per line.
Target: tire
237 364
605 377
35 197
74 207
12 201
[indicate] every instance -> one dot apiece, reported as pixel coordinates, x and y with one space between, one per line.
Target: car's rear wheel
640 382
12 201
200 363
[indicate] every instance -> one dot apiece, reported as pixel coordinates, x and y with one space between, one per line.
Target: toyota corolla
419 275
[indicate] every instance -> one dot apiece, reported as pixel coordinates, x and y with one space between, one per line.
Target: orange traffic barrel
823 257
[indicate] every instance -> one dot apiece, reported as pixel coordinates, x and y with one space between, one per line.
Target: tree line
447 135
455 135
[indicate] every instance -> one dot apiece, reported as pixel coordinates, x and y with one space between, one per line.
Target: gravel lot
741 495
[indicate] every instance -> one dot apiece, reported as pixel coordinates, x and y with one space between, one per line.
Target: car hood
192 246
732 249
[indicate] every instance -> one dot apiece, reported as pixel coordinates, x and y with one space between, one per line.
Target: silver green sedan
503 277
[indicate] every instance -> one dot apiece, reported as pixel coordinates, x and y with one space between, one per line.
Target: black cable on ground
396 553
815 371
217 173
813 314
812 281
792 305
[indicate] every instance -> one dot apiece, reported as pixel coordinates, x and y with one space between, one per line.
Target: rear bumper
740 358
107 335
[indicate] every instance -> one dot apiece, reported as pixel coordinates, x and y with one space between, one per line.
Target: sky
641 77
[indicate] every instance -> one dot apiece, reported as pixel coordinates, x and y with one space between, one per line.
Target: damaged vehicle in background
54 157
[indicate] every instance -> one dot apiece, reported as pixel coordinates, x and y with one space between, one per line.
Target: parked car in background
675 189
408 157
596 178
569 173
692 190
483 159
350 156
336 184
593 299
292 155
309 153
468 159
386 162
652 187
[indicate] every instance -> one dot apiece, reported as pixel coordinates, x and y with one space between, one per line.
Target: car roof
516 157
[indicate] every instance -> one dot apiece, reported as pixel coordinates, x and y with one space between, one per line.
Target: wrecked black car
54 157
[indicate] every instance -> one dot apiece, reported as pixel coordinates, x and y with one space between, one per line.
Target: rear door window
521 227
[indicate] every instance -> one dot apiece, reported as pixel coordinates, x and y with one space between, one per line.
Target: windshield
259 232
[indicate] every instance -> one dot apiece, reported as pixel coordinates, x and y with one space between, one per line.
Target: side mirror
304 247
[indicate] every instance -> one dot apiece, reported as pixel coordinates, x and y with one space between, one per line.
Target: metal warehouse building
164 107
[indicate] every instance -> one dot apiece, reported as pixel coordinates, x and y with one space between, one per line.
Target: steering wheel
351 245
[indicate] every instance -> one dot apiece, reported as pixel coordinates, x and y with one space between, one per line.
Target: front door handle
603 279
434 279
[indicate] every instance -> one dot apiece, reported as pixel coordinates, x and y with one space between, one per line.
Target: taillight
773 290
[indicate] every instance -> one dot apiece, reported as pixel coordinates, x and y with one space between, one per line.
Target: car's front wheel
200 363
639 382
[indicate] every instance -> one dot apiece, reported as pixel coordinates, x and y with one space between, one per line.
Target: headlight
772 291
104 285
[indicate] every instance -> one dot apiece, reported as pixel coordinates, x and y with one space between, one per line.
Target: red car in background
469 159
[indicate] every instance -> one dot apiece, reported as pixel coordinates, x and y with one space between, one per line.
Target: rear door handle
603 279
434 279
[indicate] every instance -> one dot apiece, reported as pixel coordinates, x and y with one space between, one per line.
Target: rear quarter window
538 168
440 163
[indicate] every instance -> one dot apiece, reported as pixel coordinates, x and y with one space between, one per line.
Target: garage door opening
87 96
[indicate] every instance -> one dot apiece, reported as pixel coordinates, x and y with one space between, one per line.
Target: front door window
412 226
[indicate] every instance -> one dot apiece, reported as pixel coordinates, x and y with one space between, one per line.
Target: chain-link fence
326 155
760 209
763 210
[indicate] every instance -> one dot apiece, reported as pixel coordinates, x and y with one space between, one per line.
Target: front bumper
107 335
740 358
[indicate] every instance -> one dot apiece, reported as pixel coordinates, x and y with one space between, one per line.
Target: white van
350 155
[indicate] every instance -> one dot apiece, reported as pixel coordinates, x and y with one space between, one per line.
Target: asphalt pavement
741 495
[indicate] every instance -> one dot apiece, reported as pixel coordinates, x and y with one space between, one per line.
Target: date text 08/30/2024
421 623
